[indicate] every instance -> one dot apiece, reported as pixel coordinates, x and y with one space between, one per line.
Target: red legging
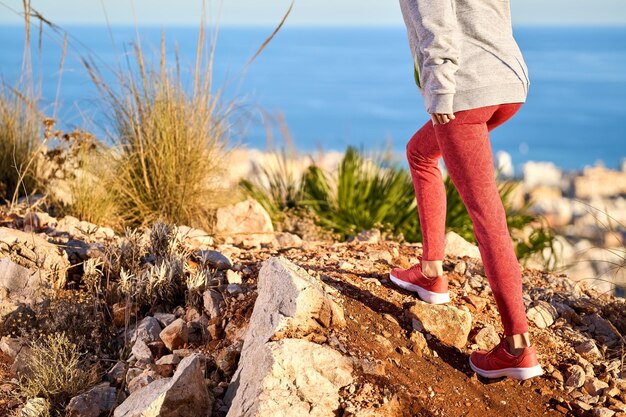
466 149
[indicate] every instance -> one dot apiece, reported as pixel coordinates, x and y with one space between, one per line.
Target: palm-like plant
362 195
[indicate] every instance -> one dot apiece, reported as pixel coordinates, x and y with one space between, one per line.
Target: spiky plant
362 195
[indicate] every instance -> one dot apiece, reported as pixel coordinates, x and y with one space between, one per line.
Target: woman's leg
466 150
423 155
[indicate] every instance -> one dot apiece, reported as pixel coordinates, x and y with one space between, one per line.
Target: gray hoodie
464 53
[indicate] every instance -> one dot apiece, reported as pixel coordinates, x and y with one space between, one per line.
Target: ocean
340 86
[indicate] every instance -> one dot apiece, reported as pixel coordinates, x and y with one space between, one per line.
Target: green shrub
363 194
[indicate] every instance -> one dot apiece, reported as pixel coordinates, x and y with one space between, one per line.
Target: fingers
441 118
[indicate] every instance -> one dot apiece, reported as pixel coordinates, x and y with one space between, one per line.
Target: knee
411 149
413 152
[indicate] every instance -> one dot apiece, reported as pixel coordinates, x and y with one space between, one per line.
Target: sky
306 12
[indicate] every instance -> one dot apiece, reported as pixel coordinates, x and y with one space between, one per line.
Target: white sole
517 373
425 295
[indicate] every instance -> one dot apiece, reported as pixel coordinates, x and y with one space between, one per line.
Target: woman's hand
441 118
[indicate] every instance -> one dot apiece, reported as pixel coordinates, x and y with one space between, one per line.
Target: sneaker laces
498 346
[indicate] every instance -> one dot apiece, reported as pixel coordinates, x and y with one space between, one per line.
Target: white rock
290 377
504 163
35 252
449 324
286 377
287 240
542 314
233 277
455 245
184 394
246 217
487 338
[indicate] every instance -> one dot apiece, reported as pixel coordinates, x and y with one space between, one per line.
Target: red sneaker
498 362
431 290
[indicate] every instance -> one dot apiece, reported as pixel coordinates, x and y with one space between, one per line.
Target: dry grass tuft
58 371
20 139
170 144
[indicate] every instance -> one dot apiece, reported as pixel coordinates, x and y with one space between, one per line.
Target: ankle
517 343
432 269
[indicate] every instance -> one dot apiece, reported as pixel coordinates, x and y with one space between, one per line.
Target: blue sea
340 86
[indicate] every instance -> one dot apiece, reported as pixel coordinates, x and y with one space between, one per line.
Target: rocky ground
293 328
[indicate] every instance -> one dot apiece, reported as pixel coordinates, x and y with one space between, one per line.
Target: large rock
457 246
245 217
449 324
19 285
289 376
35 253
184 394
93 403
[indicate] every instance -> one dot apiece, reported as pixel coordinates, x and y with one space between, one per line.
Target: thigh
503 113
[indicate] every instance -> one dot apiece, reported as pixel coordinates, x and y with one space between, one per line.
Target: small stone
213 302
233 288
455 245
117 373
214 259
390 318
11 346
449 324
97 401
175 335
589 350
557 375
582 405
478 302
602 412
171 359
369 236
380 255
345 266
419 344
460 267
165 319
476 282
542 314
233 277
141 381
487 338
576 377
287 240
594 386
147 330
142 353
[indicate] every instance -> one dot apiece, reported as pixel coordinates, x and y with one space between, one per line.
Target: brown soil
378 330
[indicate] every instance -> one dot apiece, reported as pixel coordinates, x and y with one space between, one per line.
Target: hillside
282 327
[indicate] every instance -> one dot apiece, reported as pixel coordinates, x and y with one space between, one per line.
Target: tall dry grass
20 139
169 143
